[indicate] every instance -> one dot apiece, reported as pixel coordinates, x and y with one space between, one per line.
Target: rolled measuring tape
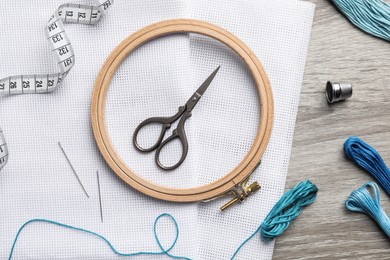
62 50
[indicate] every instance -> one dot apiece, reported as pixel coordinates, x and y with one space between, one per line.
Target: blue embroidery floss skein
361 200
371 16
287 209
369 159
284 212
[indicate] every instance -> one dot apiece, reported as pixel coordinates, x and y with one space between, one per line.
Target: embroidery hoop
233 182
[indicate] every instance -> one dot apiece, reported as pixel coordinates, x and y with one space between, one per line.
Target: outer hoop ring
216 188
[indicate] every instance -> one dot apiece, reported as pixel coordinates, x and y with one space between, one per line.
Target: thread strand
162 252
371 16
287 209
284 212
369 159
361 200
277 221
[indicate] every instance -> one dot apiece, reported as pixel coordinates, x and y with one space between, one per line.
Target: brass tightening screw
252 188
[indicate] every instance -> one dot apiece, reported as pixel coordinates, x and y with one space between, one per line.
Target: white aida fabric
278 32
37 182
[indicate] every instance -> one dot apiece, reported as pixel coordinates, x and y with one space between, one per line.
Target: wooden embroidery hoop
235 181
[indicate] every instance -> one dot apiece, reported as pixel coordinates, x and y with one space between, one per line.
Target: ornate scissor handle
179 133
166 124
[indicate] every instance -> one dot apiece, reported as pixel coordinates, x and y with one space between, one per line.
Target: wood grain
338 52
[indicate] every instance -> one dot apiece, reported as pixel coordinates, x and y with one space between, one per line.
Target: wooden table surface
342 53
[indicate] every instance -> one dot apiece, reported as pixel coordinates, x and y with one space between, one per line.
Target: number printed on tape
62 50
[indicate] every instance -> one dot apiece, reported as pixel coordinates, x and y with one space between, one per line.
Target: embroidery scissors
184 113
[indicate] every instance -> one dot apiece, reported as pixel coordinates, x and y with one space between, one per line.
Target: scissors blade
207 82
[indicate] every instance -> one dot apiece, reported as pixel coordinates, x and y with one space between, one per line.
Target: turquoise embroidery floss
162 252
361 200
287 209
284 212
371 16
369 159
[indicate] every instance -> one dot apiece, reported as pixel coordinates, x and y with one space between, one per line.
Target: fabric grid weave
154 81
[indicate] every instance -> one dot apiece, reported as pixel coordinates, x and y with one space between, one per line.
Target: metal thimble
338 91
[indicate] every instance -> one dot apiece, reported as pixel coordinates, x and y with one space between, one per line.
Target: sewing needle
100 196
74 171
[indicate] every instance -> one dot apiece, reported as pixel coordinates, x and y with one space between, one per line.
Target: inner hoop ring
218 187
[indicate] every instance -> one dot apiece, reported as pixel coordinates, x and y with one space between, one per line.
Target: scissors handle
165 124
179 133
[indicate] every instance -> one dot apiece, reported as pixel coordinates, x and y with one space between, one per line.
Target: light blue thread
163 251
284 212
369 159
245 241
277 221
372 16
361 200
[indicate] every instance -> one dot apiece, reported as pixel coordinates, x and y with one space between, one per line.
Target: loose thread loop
361 200
284 212
162 252
372 16
369 159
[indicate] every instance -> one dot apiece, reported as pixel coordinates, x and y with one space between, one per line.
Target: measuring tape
3 150
63 52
